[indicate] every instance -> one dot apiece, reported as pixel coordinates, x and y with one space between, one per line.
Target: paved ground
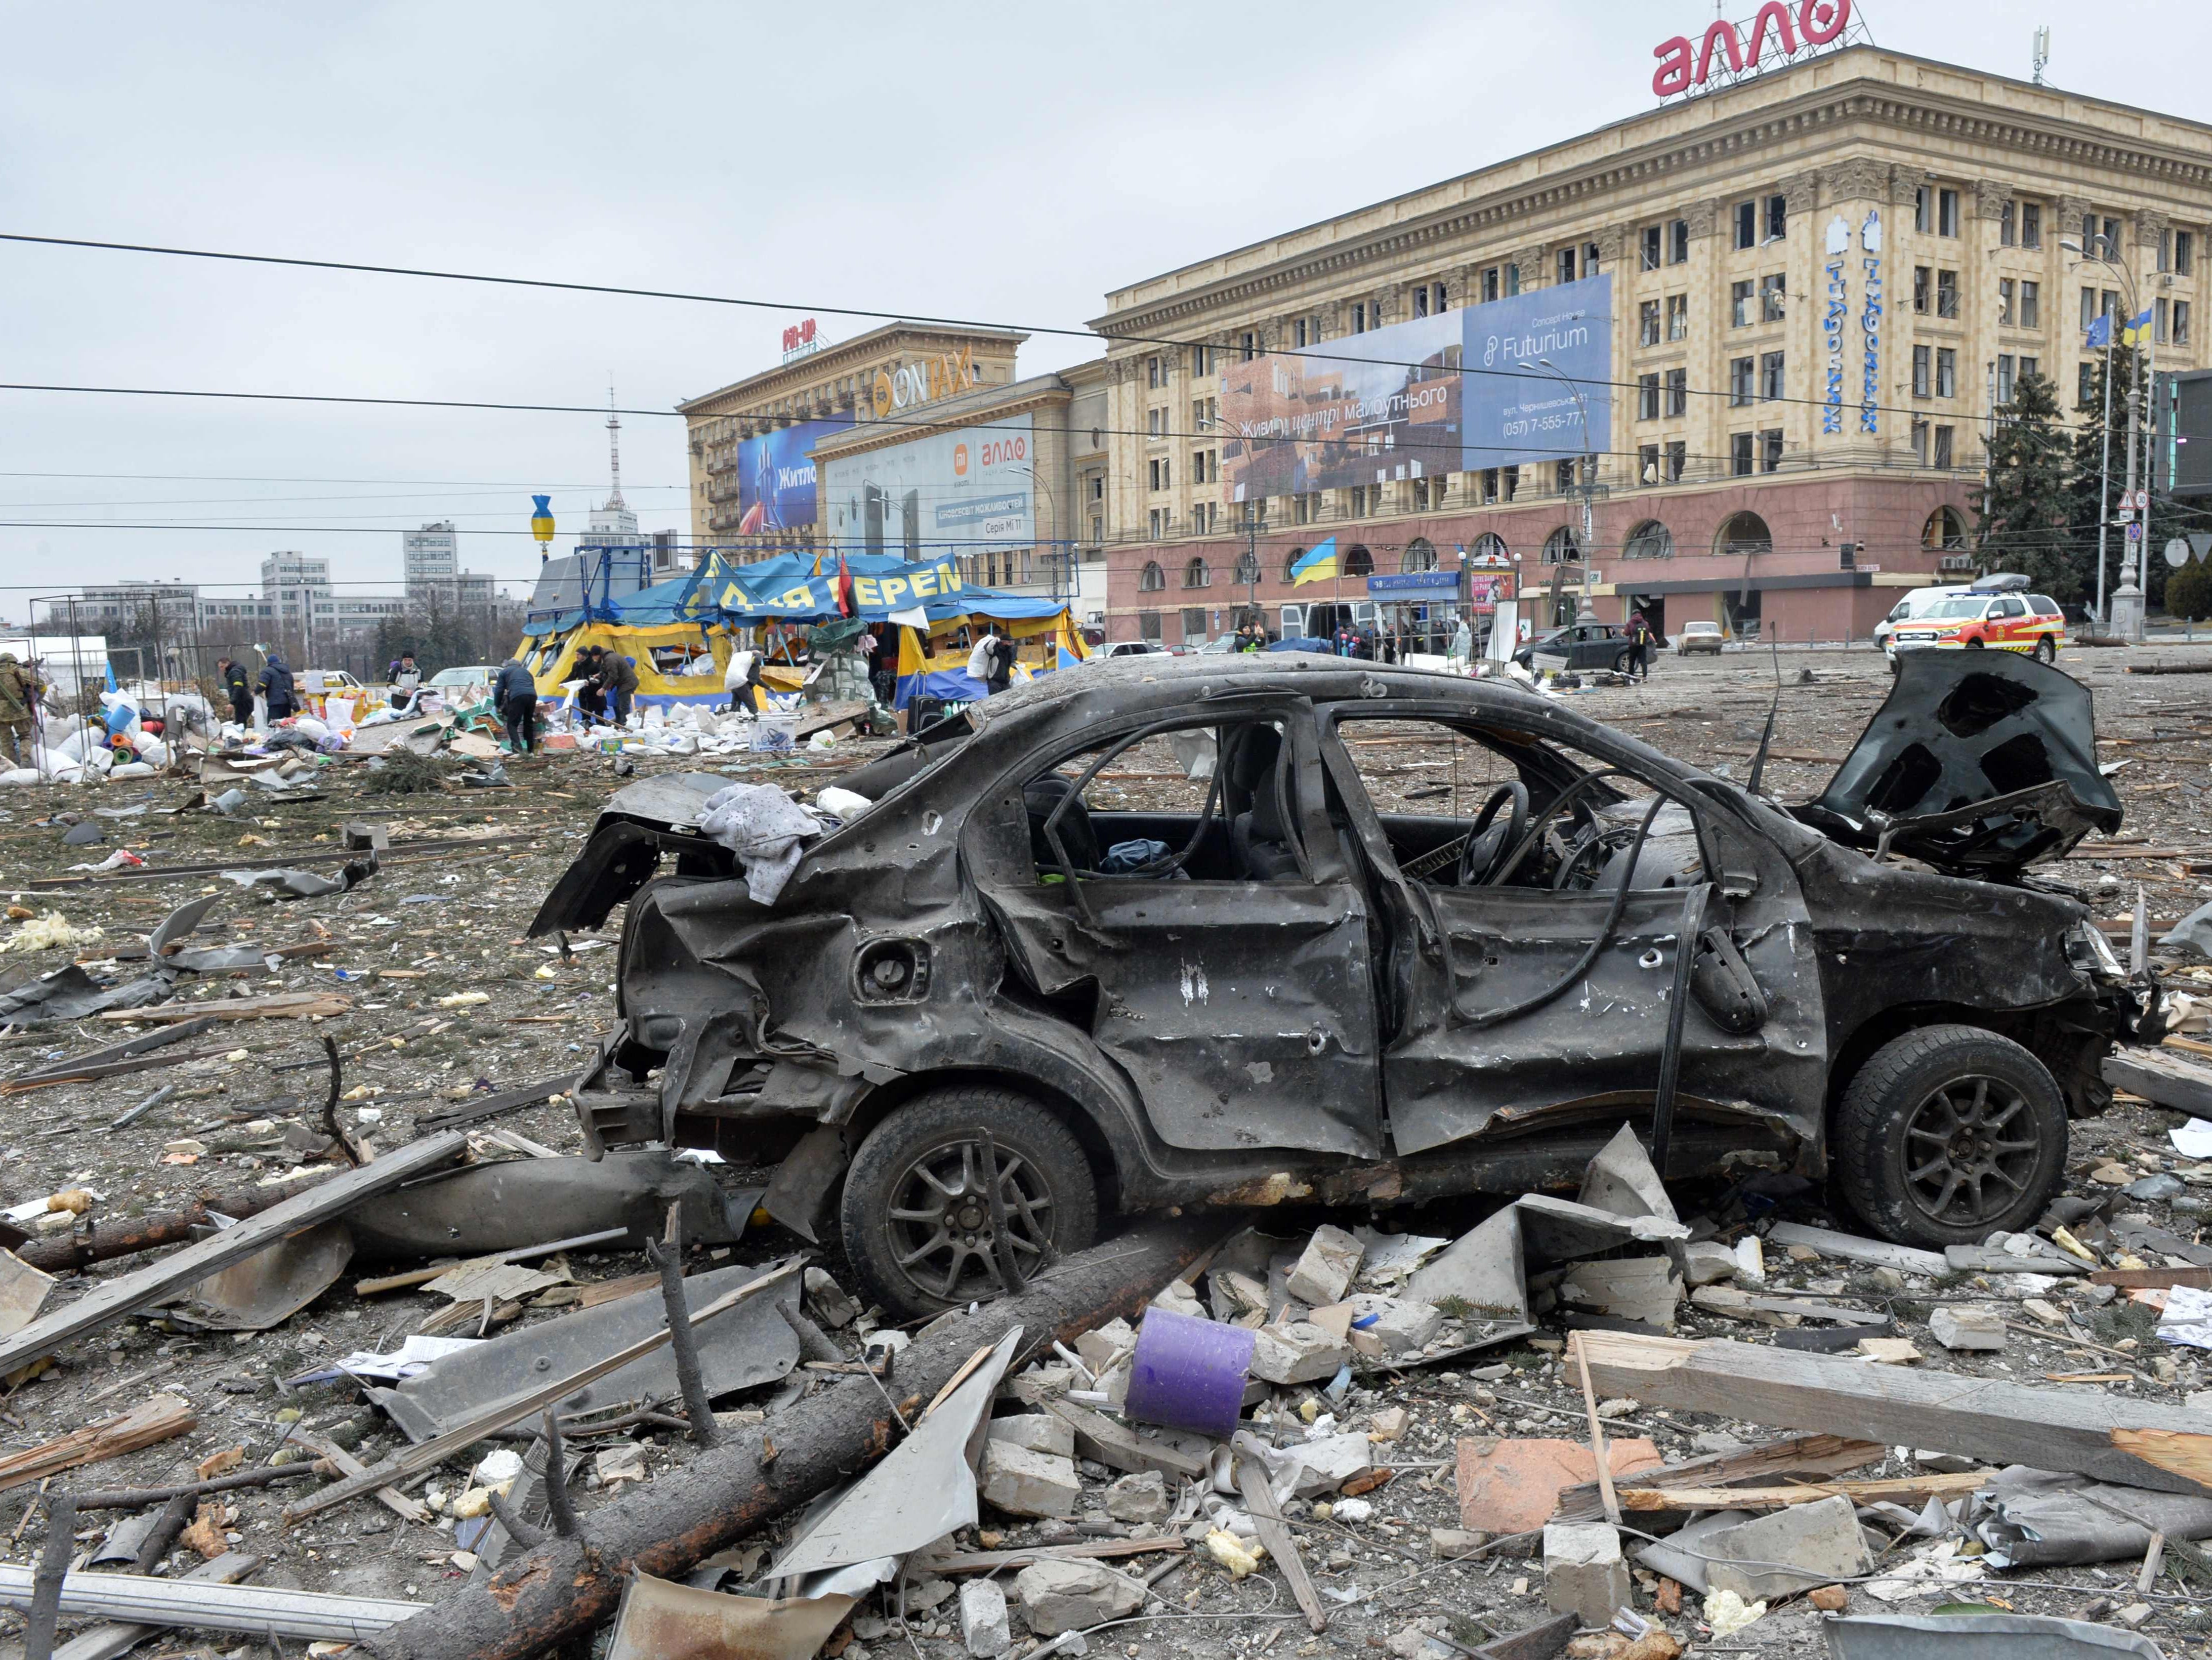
450 922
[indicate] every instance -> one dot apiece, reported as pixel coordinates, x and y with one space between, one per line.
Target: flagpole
2104 484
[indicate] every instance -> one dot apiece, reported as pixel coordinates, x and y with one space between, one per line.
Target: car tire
2046 651
883 1212
1983 1115
1973 645
1620 663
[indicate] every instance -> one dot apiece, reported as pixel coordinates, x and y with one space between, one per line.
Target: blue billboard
775 476
1455 392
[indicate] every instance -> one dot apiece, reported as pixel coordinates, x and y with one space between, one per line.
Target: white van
1916 602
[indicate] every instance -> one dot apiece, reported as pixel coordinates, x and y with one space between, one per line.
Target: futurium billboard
775 476
949 492
1500 385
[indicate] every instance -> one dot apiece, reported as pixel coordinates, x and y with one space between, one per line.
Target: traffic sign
2134 533
2137 501
2177 552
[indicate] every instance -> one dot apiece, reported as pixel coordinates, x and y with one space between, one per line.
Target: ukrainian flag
1072 647
1318 566
2137 330
913 666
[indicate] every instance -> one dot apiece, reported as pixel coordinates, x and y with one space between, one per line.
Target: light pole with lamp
1584 609
2126 615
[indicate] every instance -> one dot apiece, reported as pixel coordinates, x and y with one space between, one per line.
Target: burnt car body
954 1032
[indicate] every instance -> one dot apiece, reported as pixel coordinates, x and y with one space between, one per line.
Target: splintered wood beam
2138 1444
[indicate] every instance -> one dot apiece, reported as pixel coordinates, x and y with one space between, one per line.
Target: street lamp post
1588 464
2128 601
1251 560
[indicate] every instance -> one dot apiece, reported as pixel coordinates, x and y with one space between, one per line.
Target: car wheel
1973 645
1949 1134
916 1210
2046 651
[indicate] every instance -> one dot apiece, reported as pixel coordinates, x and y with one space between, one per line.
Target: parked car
1697 637
1133 648
464 686
1916 602
1583 645
1317 975
2027 622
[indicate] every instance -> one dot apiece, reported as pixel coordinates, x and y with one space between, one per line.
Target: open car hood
1979 762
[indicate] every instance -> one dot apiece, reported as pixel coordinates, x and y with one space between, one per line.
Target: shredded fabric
764 827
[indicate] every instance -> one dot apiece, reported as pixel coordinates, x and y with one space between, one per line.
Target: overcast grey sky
994 162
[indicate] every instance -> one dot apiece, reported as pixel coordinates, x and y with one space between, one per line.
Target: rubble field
1413 1466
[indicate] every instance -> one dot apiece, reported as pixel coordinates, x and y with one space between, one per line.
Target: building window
1678 392
2004 301
1151 579
1563 477
1202 360
1162 478
2184 252
1298 335
2031 225
1359 502
1512 280
1647 464
2031 305
2181 322
1436 301
1777 217
1647 397
2164 261
2004 378
1741 454
2030 367
1922 285
1420 299
1359 317
1741 371
1647 324
1154 375
1923 359
1648 540
1250 342
1947 213
2006 231
1677 317
2083 374
1562 547
1358 562
1291 563
1678 460
1097 527
1489 484
1923 208
1490 285
1157 523
1566 264
2088 306
1156 422
1592 256
1740 304
1678 242
1746 225
1943 435
1510 479
1947 295
1770 450
1947 372
1196 575
1773 297
1770 375
1098 487
1652 243
2159 326
1148 625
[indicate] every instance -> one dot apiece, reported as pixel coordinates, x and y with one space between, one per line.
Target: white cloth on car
764 828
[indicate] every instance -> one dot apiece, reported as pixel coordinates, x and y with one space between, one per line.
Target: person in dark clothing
238 689
514 694
591 698
276 688
1639 647
618 677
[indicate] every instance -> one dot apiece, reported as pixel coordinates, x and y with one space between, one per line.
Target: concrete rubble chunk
1177 1297
1309 1469
1622 1181
831 1306
1484 1267
1138 1498
984 1626
1388 1423
1101 1347
1967 1327
1401 1327
1021 1482
1821 1542
1584 1572
1447 1543
1640 1288
1325 1268
1709 1261
1039 1431
1064 1595
1298 1353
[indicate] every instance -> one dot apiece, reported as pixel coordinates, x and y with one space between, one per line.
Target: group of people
275 684
610 684
19 690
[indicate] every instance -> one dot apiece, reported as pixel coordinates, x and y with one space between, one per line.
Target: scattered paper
2187 1317
2192 1140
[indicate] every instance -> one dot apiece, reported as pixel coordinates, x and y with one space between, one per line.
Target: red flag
847 605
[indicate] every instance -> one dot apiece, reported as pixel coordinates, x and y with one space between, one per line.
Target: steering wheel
1487 842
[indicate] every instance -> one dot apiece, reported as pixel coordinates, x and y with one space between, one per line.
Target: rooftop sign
1771 37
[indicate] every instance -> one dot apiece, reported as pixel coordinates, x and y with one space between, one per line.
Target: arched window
1291 562
1743 534
1196 575
1420 555
1151 579
1489 548
1649 540
1563 547
1359 562
1247 568
1946 528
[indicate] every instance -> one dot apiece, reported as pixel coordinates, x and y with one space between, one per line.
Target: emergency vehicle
1997 614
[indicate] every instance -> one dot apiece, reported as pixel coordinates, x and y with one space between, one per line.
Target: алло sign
1682 66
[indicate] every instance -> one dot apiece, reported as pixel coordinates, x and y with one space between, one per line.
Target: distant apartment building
430 567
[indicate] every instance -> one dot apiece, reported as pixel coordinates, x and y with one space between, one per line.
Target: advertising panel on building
1392 403
775 476
949 492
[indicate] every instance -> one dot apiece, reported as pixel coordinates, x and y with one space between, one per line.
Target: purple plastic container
1189 1374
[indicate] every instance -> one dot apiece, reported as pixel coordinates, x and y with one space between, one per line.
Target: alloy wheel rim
942 1235
1970 1152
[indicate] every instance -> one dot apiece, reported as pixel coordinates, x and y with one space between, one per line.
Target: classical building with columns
1824 282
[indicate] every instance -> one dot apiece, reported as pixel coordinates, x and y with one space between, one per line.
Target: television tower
614 448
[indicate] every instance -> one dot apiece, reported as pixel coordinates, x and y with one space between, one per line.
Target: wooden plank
160 1419
279 1005
1801 1455
122 1051
2162 1076
425 1454
126 1294
1275 1535
1535 1643
1118 1447
2110 1437
2154 1279
1850 1248
345 1463
1913 1490
990 1561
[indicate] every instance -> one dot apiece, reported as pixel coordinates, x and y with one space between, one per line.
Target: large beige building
1823 279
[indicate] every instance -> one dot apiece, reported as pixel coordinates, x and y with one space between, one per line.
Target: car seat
1255 792
1040 797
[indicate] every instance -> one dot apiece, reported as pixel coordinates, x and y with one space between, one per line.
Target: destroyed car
1395 935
